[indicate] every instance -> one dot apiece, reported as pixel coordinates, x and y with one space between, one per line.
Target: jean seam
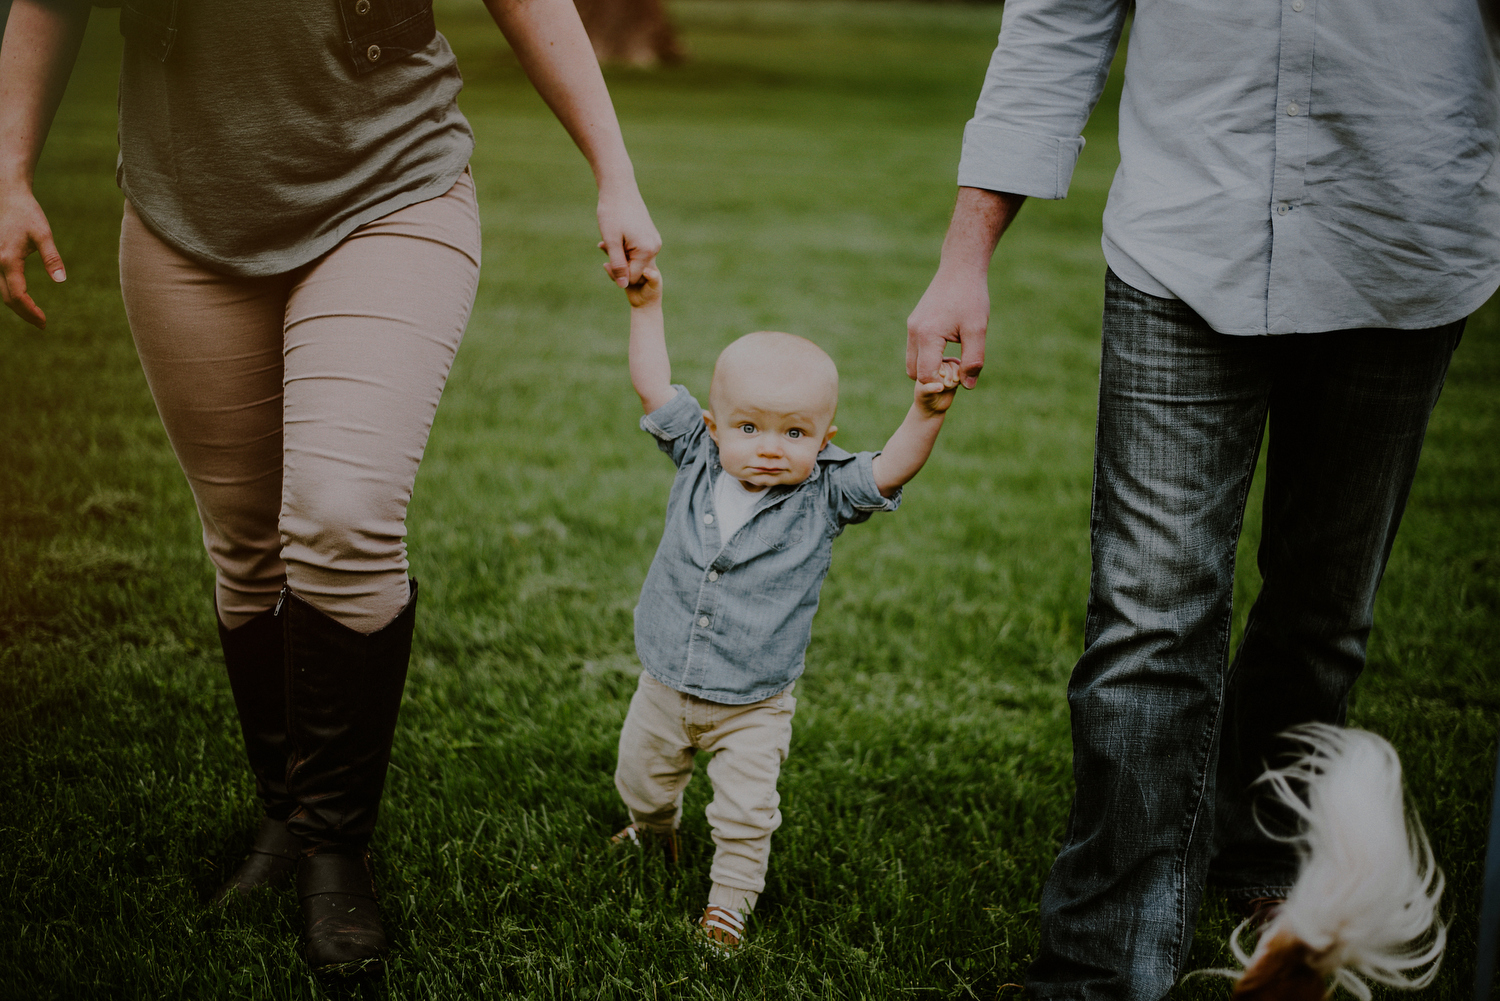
1247 479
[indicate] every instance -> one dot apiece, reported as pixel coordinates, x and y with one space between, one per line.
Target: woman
298 259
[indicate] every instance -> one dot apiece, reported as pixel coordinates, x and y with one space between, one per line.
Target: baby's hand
936 396
646 292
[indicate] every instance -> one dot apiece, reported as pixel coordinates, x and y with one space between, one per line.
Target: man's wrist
964 265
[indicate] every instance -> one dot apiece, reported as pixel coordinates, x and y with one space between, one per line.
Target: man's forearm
40 46
980 218
956 305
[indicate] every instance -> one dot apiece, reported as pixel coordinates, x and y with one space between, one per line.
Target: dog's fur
1364 906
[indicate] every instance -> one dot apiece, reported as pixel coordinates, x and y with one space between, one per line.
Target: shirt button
1283 208
363 7
373 52
713 575
703 621
1292 109
1297 6
708 519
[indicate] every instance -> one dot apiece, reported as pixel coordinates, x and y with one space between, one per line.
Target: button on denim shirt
729 621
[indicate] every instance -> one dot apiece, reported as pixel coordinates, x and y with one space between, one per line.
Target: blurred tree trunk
634 32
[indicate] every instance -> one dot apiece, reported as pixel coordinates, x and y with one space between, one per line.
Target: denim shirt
730 621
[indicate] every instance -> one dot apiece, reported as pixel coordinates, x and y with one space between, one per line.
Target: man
1307 208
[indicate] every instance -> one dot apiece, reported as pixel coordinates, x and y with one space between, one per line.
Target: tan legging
299 404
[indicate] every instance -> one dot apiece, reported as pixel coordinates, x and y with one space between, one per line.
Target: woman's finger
642 253
13 292
52 261
619 261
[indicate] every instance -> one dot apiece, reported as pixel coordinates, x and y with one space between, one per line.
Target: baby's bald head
775 372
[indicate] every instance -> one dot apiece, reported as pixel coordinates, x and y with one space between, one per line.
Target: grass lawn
801 170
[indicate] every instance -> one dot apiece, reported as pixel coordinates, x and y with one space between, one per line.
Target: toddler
726 612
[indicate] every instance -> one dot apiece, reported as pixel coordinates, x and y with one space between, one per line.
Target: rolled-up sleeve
1044 79
677 425
852 492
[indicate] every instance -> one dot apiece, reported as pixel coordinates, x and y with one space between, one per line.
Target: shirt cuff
862 491
1023 163
675 418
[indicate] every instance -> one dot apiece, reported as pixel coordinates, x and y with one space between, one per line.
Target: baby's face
771 408
763 446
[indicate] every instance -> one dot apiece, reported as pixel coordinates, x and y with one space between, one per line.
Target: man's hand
956 305
23 229
936 397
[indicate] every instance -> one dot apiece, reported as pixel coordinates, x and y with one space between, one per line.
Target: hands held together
935 396
628 236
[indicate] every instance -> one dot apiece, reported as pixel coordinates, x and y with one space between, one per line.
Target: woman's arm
554 50
40 46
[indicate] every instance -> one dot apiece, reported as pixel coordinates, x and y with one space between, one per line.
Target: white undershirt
733 503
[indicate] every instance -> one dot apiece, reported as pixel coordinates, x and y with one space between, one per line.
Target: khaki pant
663 730
299 404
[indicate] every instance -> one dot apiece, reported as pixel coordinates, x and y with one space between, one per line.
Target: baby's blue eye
748 428
794 433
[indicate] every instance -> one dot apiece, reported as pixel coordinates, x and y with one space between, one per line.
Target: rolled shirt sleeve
852 492
677 425
1044 79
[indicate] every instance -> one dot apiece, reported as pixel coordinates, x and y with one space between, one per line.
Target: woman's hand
23 228
40 44
629 236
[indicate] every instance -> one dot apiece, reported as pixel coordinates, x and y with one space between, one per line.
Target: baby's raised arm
650 368
907 451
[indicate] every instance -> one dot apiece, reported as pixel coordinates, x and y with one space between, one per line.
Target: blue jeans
1166 740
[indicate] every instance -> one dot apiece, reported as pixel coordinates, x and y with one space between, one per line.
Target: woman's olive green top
254 148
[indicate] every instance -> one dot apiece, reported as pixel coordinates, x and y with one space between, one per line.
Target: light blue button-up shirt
1285 165
729 620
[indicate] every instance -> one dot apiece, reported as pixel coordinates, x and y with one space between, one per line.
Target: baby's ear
713 429
833 429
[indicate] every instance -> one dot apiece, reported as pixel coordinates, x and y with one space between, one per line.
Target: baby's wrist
923 407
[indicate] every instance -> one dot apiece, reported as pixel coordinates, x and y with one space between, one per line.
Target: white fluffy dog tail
1364 906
